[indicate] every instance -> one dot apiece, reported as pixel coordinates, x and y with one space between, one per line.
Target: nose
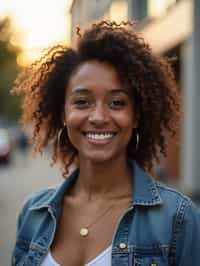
99 115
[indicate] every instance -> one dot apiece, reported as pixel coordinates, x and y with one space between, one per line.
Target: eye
82 103
117 104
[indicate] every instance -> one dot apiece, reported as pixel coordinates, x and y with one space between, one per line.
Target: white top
103 259
49 260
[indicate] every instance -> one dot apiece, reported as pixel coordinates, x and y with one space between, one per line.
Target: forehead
93 75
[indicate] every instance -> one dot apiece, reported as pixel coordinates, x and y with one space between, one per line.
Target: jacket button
153 263
122 245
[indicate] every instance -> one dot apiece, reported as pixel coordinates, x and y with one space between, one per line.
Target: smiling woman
105 106
99 115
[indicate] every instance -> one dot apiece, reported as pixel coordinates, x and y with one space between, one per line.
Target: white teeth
99 136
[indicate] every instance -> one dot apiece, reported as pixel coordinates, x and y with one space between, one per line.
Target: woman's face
99 112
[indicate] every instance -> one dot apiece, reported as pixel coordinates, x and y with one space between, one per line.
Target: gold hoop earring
137 139
59 134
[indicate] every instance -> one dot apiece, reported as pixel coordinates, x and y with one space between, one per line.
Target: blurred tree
9 105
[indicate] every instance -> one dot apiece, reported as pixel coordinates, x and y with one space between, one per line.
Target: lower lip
100 141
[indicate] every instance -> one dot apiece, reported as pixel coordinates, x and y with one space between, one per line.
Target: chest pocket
149 258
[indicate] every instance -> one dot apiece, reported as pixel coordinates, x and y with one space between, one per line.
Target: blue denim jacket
161 227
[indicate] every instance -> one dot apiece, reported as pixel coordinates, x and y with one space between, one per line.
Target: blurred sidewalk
18 180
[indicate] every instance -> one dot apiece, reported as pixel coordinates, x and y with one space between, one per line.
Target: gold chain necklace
84 231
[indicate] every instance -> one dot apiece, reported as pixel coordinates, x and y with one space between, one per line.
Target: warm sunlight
119 11
39 24
157 8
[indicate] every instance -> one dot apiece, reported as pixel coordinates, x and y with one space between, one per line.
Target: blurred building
85 11
172 27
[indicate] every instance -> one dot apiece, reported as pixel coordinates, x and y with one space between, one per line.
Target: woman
105 106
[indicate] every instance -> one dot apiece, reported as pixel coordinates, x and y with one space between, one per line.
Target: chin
100 158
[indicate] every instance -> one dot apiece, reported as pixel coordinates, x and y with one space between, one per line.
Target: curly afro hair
150 77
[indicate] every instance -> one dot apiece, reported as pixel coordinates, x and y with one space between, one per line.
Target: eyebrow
80 90
116 91
86 91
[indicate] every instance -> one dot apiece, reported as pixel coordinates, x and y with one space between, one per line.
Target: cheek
126 121
74 120
72 117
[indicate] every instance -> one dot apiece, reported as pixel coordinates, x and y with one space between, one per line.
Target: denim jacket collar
145 191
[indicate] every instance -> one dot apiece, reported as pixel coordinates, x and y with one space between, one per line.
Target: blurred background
172 27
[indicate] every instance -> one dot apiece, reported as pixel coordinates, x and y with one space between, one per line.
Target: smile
99 136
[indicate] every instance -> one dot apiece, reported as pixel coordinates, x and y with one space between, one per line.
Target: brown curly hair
150 77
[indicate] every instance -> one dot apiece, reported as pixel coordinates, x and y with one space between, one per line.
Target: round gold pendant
84 231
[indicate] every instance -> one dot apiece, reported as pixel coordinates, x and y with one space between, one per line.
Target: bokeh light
38 24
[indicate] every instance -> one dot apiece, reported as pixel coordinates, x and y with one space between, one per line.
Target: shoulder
36 200
183 206
45 201
170 192
40 197
185 227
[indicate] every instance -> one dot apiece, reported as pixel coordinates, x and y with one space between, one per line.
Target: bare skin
81 207
97 104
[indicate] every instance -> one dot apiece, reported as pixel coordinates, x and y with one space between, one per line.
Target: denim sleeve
16 247
188 236
21 215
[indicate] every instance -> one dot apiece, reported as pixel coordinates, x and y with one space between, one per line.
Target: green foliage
9 105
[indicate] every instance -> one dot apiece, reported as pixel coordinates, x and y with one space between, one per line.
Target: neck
107 180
